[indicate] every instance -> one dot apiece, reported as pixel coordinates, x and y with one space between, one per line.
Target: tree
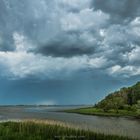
138 104
130 97
117 102
105 105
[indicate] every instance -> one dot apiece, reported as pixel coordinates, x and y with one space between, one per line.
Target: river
108 125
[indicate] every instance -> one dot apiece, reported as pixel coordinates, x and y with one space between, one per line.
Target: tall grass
29 130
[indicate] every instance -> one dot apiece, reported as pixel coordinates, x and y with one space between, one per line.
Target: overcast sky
67 51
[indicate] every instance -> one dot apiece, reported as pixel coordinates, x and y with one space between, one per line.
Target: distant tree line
125 98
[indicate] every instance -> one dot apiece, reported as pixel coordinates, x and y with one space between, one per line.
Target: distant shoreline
94 112
44 105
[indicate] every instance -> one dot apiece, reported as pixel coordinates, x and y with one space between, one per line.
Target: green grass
100 112
40 131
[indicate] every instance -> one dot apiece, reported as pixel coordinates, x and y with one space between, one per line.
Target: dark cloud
42 21
66 45
59 49
119 9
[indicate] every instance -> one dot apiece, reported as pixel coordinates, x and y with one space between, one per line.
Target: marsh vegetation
38 131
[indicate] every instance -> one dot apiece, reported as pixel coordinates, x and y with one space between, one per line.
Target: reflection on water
109 125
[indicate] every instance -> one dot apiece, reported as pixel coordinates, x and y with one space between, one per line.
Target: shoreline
101 114
95 124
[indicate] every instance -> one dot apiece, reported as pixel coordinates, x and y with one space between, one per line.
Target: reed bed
48 130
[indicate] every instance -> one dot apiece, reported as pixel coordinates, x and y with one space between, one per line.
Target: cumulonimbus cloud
59 37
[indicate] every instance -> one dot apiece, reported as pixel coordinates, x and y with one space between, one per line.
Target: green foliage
125 98
111 103
138 107
36 131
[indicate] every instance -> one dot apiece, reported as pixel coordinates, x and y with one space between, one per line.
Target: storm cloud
67 45
67 51
120 10
62 36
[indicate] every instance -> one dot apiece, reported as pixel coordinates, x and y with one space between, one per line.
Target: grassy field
29 130
100 112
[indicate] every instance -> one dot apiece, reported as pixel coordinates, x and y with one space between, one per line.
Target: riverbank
108 125
100 112
43 130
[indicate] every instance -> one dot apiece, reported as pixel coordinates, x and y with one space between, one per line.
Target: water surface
108 125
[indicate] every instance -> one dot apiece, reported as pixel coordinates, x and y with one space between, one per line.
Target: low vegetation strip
30 130
100 112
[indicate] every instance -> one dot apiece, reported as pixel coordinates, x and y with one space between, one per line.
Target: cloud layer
51 39
21 63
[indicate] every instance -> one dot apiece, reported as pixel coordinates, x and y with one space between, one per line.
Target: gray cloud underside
120 10
52 37
66 45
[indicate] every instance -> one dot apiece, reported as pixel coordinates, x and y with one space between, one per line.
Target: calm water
108 125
